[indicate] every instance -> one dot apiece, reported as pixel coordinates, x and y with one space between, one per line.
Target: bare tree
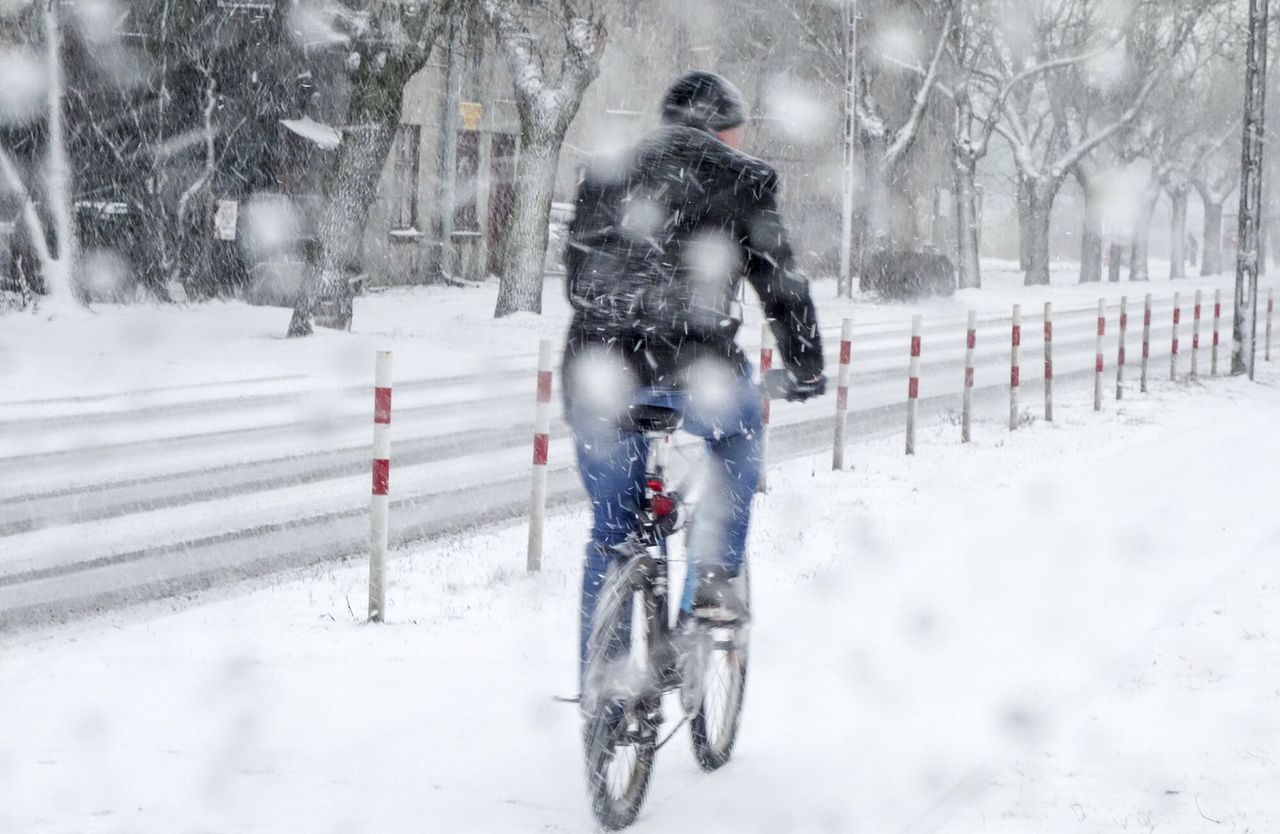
979 85
887 100
546 108
1046 143
387 42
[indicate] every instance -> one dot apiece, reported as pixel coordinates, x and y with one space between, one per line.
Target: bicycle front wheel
620 705
713 725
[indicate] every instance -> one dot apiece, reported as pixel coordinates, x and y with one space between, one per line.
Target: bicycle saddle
651 418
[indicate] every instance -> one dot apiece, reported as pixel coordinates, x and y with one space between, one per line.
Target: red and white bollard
541 442
1195 339
1048 361
1217 316
1015 370
1146 339
913 384
970 343
766 363
842 393
1098 361
1271 304
1177 319
381 486
1120 355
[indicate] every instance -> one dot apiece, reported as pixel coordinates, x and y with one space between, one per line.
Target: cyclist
662 236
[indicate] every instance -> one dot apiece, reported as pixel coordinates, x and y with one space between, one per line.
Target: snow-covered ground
1068 628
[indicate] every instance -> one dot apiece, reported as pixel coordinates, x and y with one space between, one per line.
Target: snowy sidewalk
1071 628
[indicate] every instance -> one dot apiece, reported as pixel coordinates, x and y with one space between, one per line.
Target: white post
381 487
842 393
1014 369
766 364
541 440
913 384
970 343
1195 339
1146 339
1048 362
1177 319
1120 354
1098 361
1217 316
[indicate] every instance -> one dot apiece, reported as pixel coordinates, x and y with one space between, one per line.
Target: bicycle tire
713 725
615 709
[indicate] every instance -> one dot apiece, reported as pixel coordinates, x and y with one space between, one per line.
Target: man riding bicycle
661 239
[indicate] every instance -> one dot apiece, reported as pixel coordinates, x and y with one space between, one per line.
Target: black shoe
720 598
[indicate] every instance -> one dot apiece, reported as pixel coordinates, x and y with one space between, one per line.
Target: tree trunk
520 288
1139 253
1036 222
350 189
970 268
1115 260
62 285
877 209
1211 246
351 186
1024 231
1091 240
1178 233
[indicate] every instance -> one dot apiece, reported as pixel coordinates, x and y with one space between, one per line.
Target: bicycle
632 657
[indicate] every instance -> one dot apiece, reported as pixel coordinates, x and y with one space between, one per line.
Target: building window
405 183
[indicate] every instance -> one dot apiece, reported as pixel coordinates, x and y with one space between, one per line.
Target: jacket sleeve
783 289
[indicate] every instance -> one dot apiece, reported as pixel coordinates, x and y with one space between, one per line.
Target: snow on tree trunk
383 56
1091 239
350 190
967 240
520 288
60 274
1211 259
1140 250
545 115
1179 196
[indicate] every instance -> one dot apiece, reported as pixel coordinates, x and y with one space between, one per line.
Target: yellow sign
471 112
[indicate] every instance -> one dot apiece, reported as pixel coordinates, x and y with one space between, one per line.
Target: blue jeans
612 465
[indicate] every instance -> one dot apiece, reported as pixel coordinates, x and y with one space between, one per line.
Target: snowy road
163 490
1070 629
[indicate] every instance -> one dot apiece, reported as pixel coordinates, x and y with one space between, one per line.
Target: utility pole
849 12
446 266
1248 263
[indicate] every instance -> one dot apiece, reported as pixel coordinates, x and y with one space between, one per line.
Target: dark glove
781 384
802 390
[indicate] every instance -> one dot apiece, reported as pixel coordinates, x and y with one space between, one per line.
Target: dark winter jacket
660 241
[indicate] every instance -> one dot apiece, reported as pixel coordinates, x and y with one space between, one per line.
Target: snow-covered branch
906 135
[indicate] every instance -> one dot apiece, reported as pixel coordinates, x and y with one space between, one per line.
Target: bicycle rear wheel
620 705
719 685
